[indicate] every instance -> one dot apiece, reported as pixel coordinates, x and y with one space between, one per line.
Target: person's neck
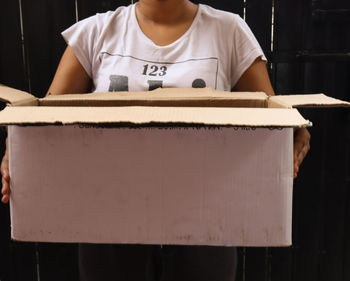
165 11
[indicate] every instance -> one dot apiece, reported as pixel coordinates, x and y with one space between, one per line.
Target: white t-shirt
214 52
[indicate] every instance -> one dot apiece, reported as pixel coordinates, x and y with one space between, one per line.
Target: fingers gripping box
171 166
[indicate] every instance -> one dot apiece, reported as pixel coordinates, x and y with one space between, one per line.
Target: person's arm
70 78
5 190
256 78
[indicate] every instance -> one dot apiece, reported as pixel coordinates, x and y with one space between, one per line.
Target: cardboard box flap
161 97
316 100
16 97
254 117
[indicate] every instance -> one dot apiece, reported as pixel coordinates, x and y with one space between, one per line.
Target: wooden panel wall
293 34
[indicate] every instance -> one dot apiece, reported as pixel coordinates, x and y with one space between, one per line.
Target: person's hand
301 147
5 191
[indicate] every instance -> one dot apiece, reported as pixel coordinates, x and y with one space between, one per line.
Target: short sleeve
82 38
246 49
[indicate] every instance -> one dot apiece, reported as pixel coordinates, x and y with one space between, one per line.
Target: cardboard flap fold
161 97
252 117
319 100
16 97
161 106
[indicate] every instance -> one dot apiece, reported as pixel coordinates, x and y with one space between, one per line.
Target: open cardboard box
171 166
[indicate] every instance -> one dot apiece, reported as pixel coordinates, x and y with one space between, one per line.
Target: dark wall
307 43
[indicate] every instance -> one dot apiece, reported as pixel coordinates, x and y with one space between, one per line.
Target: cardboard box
171 166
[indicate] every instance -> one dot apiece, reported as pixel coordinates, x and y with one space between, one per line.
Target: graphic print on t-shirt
135 74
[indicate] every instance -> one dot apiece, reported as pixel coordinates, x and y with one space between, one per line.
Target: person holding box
151 44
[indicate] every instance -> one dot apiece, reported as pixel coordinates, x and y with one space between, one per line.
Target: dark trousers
156 263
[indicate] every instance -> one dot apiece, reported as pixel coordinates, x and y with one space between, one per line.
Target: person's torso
126 60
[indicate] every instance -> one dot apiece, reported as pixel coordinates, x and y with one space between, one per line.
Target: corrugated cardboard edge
250 117
16 97
313 100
